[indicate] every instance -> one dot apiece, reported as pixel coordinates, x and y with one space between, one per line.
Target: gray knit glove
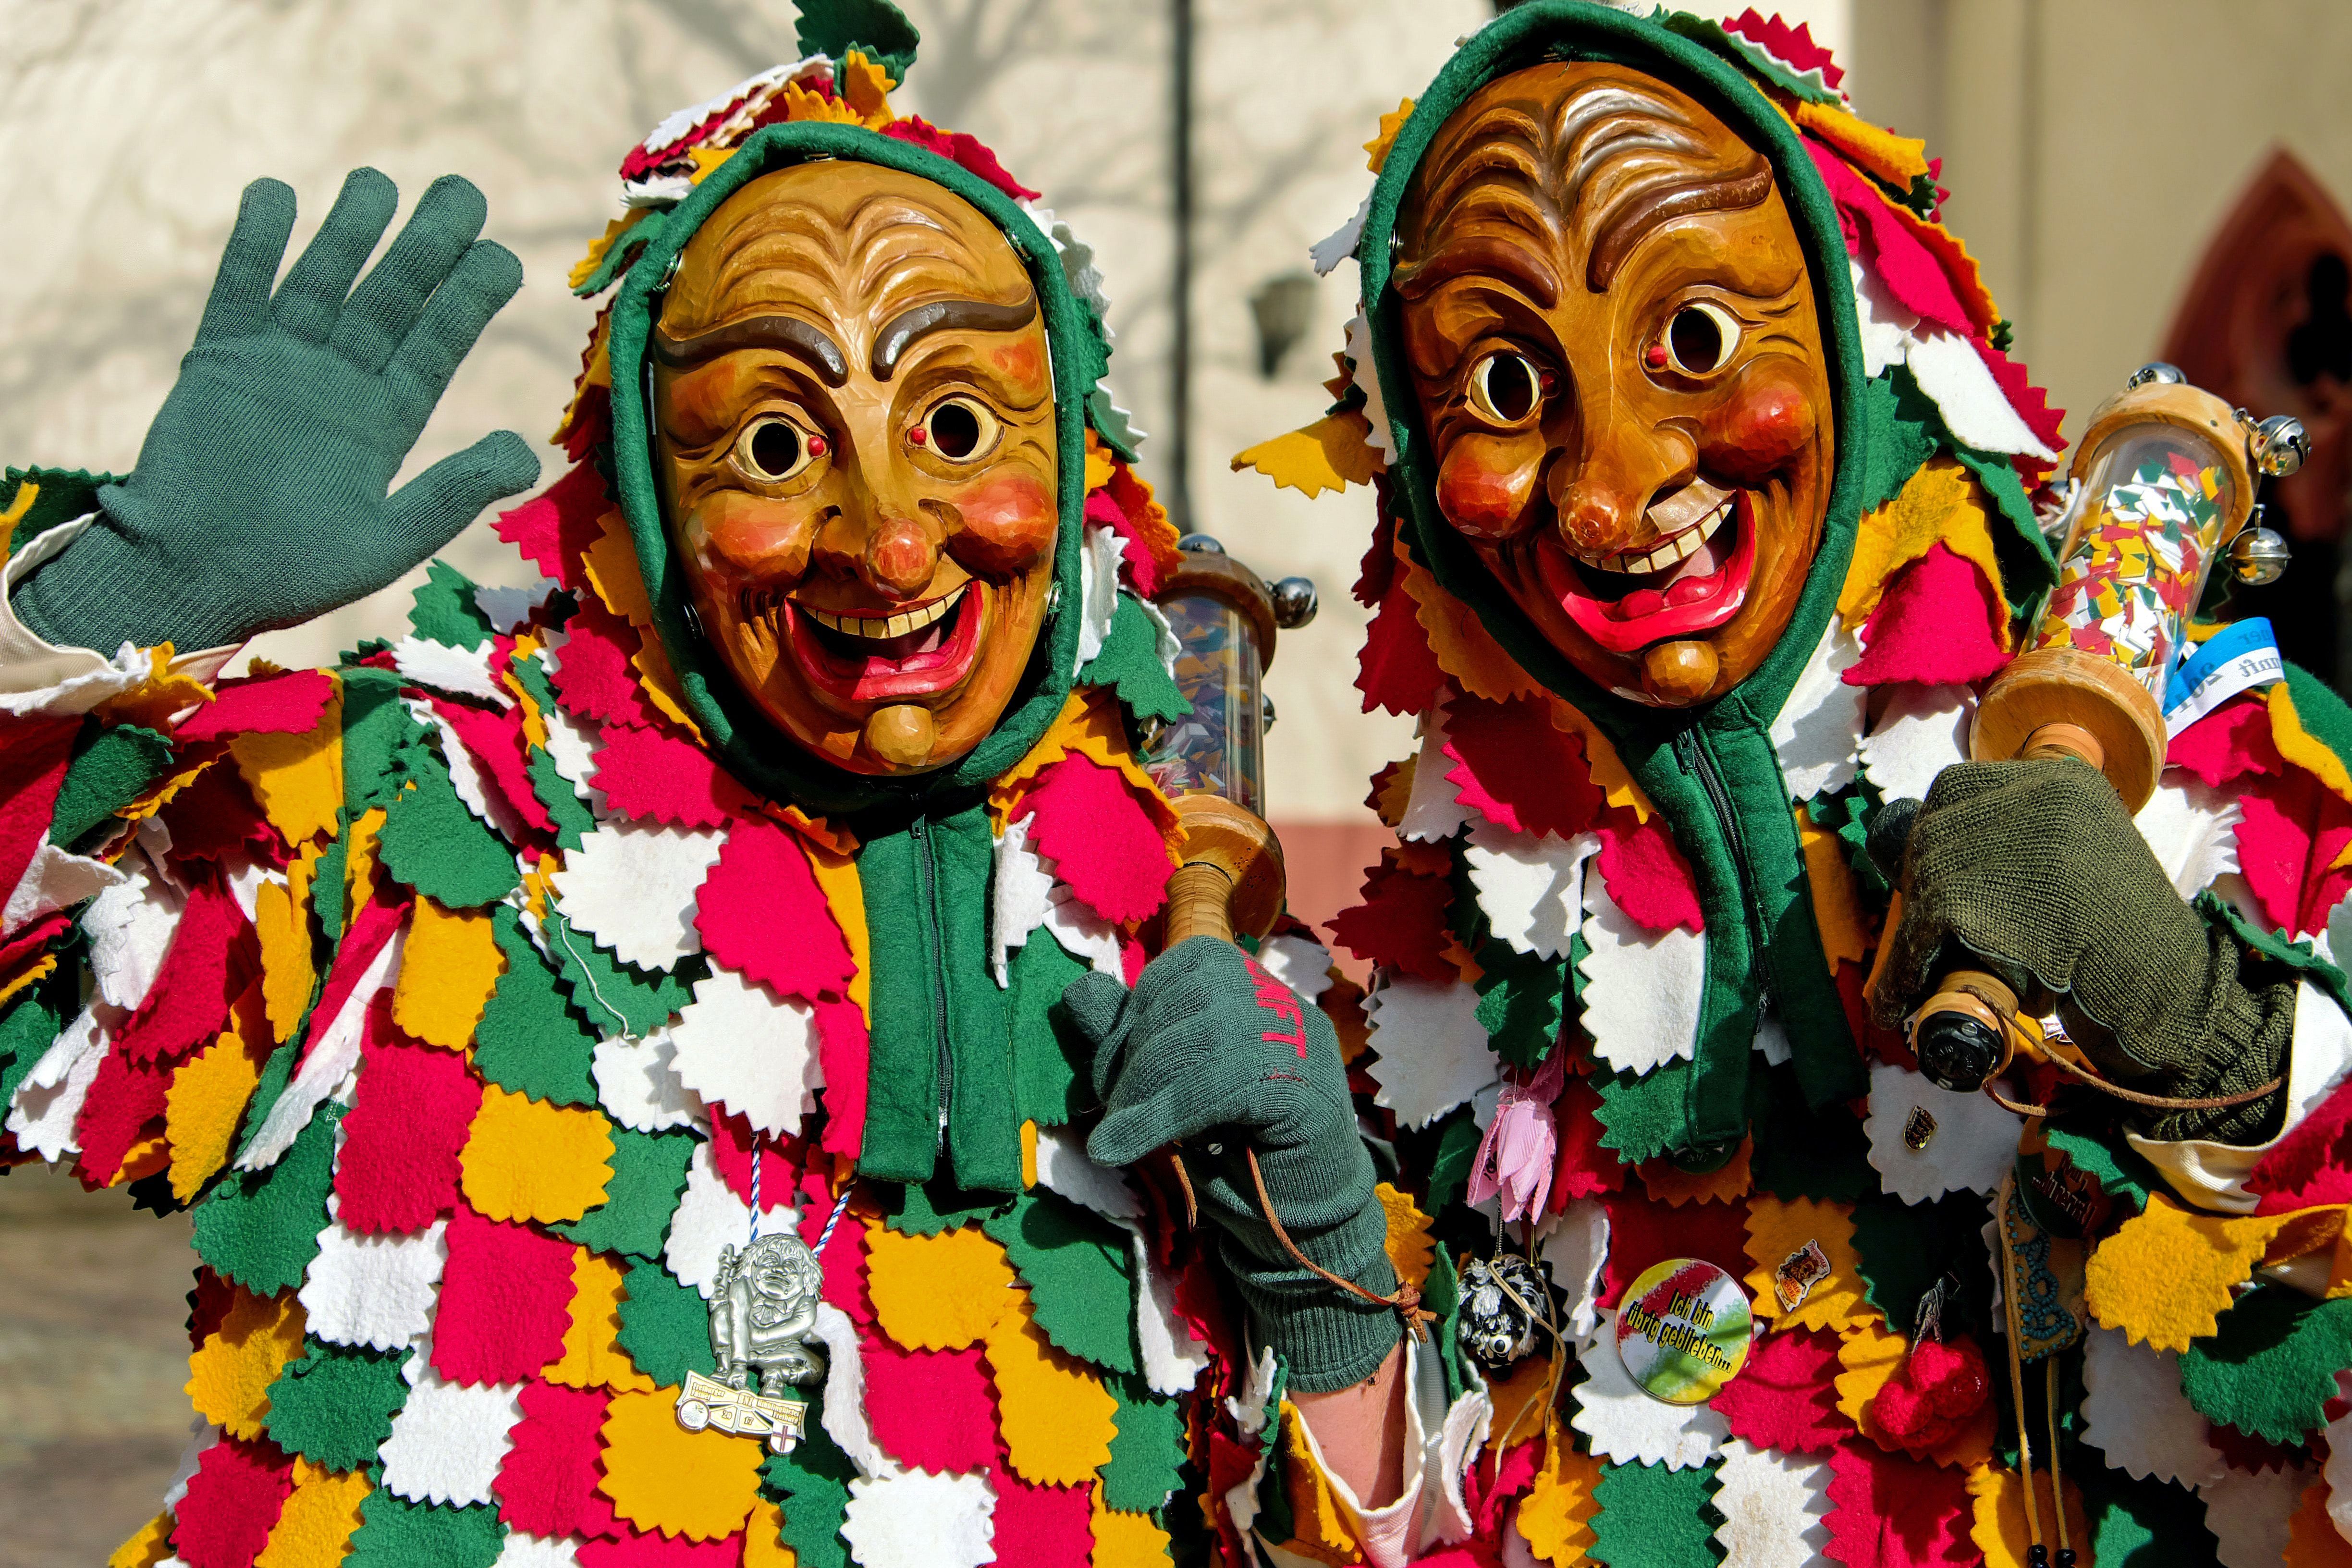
2035 868
1211 1052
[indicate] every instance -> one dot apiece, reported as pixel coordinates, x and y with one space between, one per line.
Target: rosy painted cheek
1484 487
1767 421
754 534
1007 524
1022 361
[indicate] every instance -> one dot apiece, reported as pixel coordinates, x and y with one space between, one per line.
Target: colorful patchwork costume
1619 1016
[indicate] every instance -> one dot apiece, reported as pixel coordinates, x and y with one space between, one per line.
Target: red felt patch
232 1503
1396 669
1401 923
1909 270
555 528
1792 47
2292 830
841 1051
1103 509
593 676
33 756
1645 874
287 704
961 149
1641 1233
1585 1170
932 1409
375 926
2228 743
761 914
547 1485
1518 771
1887 1045
652 775
213 818
2032 403
2241 1450
494 738
1786 1396
732 1146
1892 1512
1935 627
189 1002
398 1171
1084 818
123 1098
1489 1487
2312 1163
842 1258
505 1299
1041 1525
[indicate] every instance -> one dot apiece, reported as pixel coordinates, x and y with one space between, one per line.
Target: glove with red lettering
1212 1053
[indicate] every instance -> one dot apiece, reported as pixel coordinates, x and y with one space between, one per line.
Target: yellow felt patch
2168 1272
1516 1398
1319 1527
1870 1357
447 971
2313 1541
1940 504
1331 454
297 780
1464 648
153 703
1676 1187
1098 462
1600 758
611 563
201 1105
763 1539
1999 1525
1897 160
281 920
596 363
1410 1250
2299 746
316 1522
1124 1540
603 244
153 1543
1777 1229
528 1159
1556 1514
659 1476
229 1374
864 87
1837 905
1056 1420
593 1356
28 493
659 682
359 863
41 967
845 896
1376 151
938 1293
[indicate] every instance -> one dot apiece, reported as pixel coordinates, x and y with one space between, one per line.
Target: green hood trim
1712 769
751 748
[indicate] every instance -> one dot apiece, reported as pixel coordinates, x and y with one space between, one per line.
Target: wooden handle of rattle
1200 901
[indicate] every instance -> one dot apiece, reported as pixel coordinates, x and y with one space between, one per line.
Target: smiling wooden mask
856 450
1614 346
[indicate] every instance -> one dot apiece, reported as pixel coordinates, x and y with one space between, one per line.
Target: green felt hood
752 749
1534 33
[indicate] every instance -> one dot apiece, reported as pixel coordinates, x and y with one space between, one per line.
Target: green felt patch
665 1326
111 772
1078 1269
2118 1168
1900 426
334 1405
1520 1000
1148 1450
64 495
2027 570
1051 1084
1652 1517
328 912
1823 1155
648 1174
261 1228
811 1483
1441 1297
35 1016
615 996
2141 1524
1110 423
1129 663
1646 1113
573 821
443 609
529 1040
379 736
875 28
1904 1248
1449 1167
2272 1366
431 842
396 1534
936 1206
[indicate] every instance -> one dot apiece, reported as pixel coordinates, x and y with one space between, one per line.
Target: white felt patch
1972 1146
2134 1409
1772 1039
1367 380
910 1518
844 1391
1462 1433
333 1052
1628 1427
373 1290
458 671
2193 829
572 748
1434 1056
1248 1407
710 1218
1948 370
131 926
638 1084
1021 895
1773 1506
43 1111
447 1441
1432 814
1574 1249
507 608
55 879
1172 1360
1642 987
1815 733
1298 961
2252 1516
633 889
1923 730
744 1048
1530 887
1097 590
1063 1166
521 1551
1327 252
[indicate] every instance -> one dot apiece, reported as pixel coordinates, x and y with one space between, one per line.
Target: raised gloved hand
1211 1052
260 498
2036 869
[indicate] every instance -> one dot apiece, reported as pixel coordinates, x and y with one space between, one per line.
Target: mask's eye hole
1505 387
773 451
1701 337
959 429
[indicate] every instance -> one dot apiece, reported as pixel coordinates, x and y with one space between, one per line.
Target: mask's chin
1685 584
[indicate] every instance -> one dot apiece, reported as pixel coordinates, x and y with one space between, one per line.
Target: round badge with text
1683 1331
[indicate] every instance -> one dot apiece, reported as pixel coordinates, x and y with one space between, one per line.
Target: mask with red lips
1612 337
853 402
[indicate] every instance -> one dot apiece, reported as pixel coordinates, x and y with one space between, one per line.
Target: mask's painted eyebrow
945 315
789 334
1626 227
1512 261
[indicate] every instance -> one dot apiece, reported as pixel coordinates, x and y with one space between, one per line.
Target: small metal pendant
1505 1303
763 1327
1919 1130
1798 1274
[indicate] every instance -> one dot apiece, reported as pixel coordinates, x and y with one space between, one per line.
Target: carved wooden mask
1612 336
856 449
